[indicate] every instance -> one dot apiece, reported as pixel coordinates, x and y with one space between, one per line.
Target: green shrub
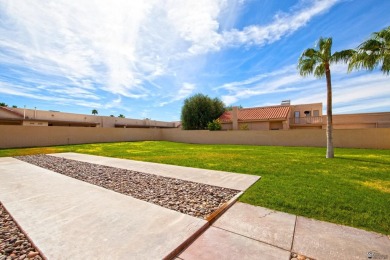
215 125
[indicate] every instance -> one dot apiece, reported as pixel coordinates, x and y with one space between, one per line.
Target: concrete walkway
250 232
70 219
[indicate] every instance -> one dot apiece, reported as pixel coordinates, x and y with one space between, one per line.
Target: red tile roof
257 113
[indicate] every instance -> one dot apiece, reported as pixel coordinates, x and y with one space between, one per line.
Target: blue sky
143 58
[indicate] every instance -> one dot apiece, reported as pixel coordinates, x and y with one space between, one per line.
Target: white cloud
283 80
122 46
186 90
283 24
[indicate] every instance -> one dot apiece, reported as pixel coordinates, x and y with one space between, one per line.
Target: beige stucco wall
26 136
348 138
306 107
6 114
363 120
29 136
34 123
255 125
260 125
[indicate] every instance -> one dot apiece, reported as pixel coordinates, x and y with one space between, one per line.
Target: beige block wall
378 138
266 137
26 136
30 136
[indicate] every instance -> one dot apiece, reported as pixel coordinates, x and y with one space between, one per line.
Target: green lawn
352 189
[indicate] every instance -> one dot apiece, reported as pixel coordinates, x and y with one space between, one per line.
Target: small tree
94 112
2 104
14 106
199 110
121 116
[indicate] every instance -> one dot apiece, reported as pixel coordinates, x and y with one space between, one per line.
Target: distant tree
94 112
2 104
199 110
121 116
230 108
317 61
14 106
111 115
373 52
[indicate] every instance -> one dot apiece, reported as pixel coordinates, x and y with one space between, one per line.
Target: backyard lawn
353 189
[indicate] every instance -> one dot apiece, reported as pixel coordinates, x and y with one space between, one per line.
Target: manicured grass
352 189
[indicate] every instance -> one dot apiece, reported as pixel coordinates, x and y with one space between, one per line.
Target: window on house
308 113
296 119
316 113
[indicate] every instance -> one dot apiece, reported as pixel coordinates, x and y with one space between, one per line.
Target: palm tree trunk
329 125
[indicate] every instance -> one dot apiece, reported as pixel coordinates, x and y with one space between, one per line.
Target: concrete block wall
29 136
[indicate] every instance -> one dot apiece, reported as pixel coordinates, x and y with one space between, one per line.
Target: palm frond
319 72
325 48
372 52
386 64
371 45
306 66
343 56
364 60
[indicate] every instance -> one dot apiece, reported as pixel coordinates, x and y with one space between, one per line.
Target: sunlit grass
351 189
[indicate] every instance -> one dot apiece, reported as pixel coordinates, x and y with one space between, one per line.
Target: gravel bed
195 199
13 242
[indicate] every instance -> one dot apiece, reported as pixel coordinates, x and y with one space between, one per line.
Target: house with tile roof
278 117
301 116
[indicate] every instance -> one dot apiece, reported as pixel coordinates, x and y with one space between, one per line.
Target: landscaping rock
13 243
187 197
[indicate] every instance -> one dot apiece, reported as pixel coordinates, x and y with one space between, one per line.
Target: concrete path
70 219
250 232
218 178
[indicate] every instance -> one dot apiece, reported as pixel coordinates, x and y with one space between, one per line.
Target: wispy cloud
121 46
351 92
186 90
282 25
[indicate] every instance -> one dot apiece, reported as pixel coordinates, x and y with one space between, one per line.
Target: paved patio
71 219
249 232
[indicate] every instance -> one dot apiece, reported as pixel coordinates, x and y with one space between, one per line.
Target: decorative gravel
13 243
195 199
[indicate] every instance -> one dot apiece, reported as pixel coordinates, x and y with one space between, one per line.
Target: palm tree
317 61
94 112
372 52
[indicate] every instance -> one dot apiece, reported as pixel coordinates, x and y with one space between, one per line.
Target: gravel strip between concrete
195 199
13 242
